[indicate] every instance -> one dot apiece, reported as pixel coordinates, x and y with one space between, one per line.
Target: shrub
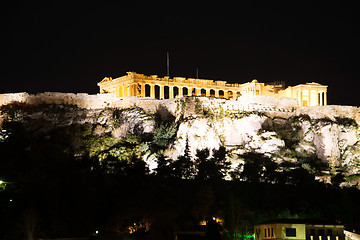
164 133
347 122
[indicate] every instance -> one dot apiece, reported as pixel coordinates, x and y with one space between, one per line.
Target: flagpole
167 64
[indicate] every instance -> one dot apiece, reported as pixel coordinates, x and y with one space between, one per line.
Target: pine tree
214 168
183 167
164 168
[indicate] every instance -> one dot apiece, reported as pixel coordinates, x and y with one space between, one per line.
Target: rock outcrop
276 128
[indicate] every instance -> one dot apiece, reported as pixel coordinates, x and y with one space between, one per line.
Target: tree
238 217
258 168
164 168
219 158
204 166
337 179
183 167
214 168
30 221
164 134
212 231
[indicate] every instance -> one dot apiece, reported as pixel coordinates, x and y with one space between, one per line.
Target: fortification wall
284 107
13 97
82 100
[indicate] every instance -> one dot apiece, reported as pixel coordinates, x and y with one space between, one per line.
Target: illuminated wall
280 231
284 229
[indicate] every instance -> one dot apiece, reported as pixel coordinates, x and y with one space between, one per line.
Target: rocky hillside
326 146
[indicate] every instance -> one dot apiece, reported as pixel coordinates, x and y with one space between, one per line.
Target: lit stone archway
166 92
157 92
176 92
203 92
147 90
185 91
221 94
193 92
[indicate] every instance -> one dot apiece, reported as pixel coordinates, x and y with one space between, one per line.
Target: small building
299 229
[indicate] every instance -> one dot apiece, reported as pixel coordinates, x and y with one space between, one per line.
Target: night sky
69 47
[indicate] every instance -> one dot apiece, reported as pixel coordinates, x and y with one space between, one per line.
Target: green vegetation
164 134
12 112
221 113
346 122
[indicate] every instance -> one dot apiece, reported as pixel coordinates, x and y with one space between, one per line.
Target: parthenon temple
140 85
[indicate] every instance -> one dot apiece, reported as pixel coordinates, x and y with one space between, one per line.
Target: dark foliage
183 167
213 168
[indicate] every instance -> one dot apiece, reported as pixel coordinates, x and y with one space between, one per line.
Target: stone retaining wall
284 107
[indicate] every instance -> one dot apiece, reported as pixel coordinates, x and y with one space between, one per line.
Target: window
272 232
269 232
321 232
329 232
291 232
312 232
265 232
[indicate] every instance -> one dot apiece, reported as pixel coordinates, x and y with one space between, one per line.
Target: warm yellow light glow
134 84
216 219
219 220
202 223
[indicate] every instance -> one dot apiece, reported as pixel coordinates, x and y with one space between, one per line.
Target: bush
347 122
164 133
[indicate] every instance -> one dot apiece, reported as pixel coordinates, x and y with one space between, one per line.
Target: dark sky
69 47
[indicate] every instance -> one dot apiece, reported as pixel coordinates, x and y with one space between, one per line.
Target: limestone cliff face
284 140
275 128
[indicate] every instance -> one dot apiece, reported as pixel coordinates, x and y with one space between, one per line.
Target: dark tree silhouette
213 168
203 164
164 168
183 167
212 231
258 168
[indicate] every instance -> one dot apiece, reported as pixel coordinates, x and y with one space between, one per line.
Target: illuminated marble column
161 91
171 92
325 98
217 93
207 94
142 90
180 94
300 97
123 90
315 97
152 90
226 94
235 94
197 91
